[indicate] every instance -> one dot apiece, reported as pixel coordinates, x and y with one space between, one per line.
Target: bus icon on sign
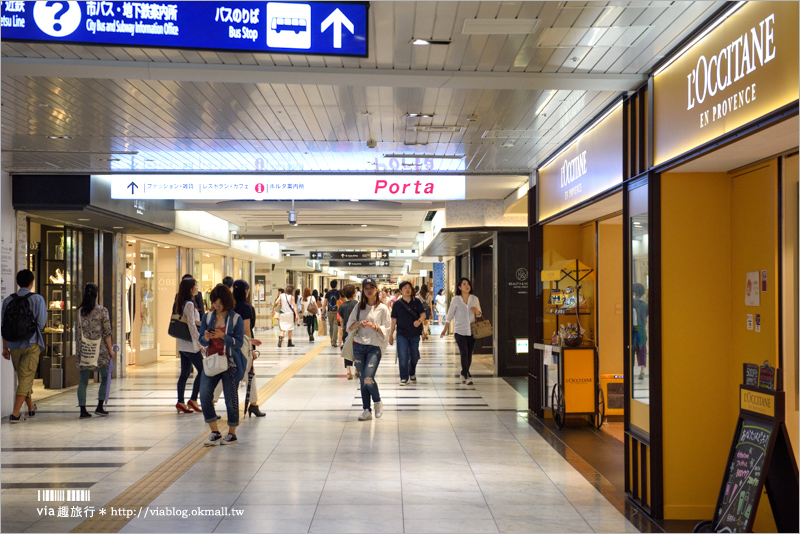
293 25
288 25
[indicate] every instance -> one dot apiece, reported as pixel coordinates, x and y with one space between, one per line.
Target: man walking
24 317
331 306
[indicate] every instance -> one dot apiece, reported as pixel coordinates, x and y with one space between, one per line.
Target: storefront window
211 274
640 288
147 269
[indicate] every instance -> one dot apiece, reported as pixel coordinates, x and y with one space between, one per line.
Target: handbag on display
179 328
481 329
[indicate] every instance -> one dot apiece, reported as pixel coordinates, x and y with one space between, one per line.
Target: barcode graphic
63 495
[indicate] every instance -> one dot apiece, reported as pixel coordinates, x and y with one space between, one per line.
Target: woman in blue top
222 332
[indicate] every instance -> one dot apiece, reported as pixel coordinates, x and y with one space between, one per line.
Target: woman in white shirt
441 305
288 314
189 350
464 308
308 315
373 322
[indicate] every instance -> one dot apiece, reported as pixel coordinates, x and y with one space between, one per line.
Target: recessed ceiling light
421 115
83 219
353 200
132 241
363 226
58 137
117 227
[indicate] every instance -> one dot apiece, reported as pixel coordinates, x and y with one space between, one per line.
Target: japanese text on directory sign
328 28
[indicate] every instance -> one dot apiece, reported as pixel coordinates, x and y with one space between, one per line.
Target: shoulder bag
312 307
89 349
481 329
347 348
179 327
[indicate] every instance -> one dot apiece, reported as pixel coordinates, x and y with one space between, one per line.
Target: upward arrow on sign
337 19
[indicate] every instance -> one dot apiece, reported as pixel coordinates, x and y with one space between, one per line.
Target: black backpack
19 323
332 302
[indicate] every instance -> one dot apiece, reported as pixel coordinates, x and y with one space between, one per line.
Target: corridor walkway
445 457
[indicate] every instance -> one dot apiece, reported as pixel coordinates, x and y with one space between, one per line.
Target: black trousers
466 344
309 322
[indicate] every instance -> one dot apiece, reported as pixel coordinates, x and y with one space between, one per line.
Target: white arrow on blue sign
337 19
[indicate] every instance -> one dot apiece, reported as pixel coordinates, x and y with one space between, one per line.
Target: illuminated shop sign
287 187
741 70
590 165
330 28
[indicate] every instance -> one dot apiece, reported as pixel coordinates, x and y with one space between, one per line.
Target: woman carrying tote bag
93 335
464 308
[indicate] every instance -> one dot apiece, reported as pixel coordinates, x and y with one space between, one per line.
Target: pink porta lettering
394 188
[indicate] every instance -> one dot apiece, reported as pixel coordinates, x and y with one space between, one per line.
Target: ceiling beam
193 72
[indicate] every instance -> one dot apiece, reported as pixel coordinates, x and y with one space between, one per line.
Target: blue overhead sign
326 28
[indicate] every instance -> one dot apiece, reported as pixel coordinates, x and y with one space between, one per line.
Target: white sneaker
214 439
230 439
404 382
413 378
469 381
378 409
463 380
366 415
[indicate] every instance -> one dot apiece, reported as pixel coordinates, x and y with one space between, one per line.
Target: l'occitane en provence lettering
736 60
573 169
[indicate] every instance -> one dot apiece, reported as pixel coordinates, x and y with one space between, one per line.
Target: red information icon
259 188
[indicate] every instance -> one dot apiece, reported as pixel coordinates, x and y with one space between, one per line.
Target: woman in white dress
441 305
288 316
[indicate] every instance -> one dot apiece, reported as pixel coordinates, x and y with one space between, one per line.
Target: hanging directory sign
351 255
358 263
327 28
287 187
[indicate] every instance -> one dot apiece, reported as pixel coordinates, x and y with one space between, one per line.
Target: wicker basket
573 340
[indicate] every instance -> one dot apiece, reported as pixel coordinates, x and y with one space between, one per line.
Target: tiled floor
445 457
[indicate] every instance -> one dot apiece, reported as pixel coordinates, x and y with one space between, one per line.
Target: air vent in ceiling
513 134
429 216
499 26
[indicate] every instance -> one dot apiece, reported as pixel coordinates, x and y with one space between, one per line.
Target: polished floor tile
445 457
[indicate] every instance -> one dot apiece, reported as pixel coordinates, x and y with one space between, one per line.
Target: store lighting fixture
117 227
420 115
353 200
58 137
363 226
83 219
426 42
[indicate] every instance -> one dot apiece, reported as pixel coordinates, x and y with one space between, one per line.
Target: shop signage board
590 165
287 187
760 457
359 263
743 69
356 255
309 28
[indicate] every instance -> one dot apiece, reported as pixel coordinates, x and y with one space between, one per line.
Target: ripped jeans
366 359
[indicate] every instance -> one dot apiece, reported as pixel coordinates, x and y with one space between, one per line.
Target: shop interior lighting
697 39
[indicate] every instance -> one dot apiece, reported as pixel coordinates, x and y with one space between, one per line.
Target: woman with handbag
372 324
189 350
441 306
93 336
426 297
288 314
310 309
464 309
222 332
345 308
243 306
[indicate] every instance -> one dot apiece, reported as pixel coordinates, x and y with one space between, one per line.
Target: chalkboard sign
744 477
750 374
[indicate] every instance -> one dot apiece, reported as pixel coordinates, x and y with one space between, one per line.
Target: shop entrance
583 327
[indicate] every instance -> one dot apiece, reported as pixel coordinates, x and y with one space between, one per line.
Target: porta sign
743 69
330 28
287 187
590 165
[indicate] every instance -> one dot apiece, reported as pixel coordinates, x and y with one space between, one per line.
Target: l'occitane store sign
590 165
743 69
